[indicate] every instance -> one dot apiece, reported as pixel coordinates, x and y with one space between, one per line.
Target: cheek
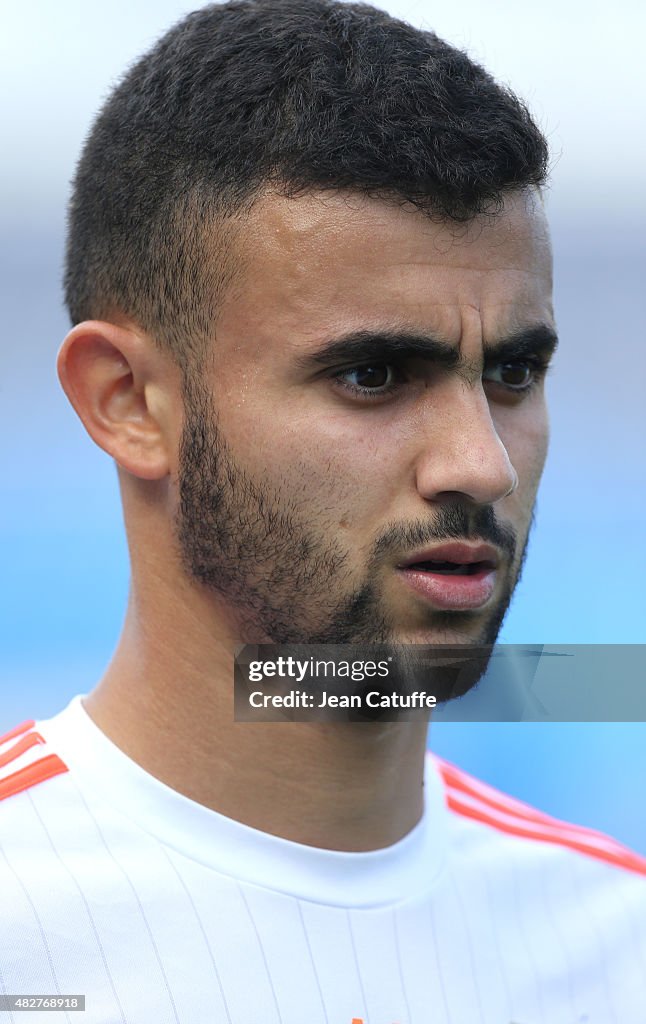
525 435
348 477
331 473
526 445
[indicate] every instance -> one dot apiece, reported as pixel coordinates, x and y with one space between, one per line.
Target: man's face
310 480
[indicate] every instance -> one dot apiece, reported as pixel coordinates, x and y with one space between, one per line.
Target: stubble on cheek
268 545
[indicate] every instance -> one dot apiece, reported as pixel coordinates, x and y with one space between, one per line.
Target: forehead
323 262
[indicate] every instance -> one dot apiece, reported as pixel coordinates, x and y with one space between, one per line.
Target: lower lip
457 593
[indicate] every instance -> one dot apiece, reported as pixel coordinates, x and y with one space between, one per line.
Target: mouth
450 568
456 577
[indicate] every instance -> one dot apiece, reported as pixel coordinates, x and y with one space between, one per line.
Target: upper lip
456 551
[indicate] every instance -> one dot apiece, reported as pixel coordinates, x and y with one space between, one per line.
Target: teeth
446 568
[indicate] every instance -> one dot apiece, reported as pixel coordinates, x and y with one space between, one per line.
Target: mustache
451 522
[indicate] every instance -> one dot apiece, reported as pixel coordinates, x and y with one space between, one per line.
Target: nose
462 455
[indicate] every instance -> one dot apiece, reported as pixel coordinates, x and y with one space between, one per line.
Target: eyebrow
397 346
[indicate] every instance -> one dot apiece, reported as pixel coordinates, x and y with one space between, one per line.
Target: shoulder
34 787
483 816
26 760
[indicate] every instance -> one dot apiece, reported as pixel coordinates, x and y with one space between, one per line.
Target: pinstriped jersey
161 911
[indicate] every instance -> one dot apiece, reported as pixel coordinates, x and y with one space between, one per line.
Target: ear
124 391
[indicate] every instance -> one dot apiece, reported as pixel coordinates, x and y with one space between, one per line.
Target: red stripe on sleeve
18 731
31 775
32 739
460 780
615 854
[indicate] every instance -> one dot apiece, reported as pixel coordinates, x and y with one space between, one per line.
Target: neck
167 701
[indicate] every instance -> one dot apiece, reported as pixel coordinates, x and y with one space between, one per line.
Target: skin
354 486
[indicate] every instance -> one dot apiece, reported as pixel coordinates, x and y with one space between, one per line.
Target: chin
443 634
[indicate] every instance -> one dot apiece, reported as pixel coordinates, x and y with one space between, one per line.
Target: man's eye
373 378
517 376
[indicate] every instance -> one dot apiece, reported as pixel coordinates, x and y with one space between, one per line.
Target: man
310 280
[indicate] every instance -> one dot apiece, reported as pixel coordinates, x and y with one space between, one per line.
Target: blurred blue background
64 553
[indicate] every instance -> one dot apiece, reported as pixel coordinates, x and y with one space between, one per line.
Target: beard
253 543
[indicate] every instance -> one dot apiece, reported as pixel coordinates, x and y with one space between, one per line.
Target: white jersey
161 911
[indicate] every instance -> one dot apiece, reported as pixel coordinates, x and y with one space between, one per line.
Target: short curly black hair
295 95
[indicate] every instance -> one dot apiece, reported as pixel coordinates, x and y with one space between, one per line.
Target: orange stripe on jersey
459 780
612 853
18 731
499 807
545 828
30 776
32 739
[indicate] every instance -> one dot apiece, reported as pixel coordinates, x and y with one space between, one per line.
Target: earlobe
110 376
